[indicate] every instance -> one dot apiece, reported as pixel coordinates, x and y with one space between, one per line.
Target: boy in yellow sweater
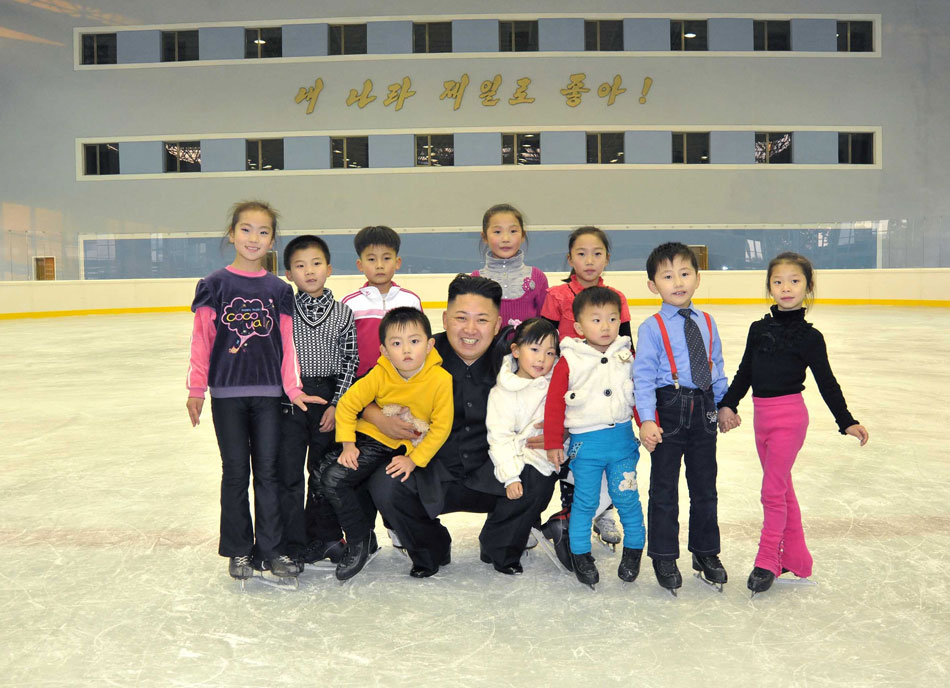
408 373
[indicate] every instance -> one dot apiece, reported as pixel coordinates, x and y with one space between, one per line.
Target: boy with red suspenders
678 380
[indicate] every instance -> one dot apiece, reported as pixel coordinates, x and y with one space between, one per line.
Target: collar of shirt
576 286
312 308
670 312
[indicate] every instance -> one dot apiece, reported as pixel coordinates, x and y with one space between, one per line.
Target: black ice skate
356 556
585 569
710 570
554 540
323 554
760 580
667 574
240 569
607 531
281 571
515 569
629 567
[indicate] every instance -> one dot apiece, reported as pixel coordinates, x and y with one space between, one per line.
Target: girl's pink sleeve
202 341
289 366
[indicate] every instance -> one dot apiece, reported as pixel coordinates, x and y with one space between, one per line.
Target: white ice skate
607 531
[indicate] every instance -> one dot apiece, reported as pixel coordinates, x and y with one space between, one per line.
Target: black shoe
711 569
667 574
240 567
355 557
422 572
556 531
585 569
281 566
760 580
515 569
318 550
629 567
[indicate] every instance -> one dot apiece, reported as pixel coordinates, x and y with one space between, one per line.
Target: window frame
847 23
768 147
515 25
259 145
426 28
598 25
517 142
682 35
597 137
177 35
260 42
342 29
344 143
850 147
97 149
178 162
687 145
764 23
95 48
431 159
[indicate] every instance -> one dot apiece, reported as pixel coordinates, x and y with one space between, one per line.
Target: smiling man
460 476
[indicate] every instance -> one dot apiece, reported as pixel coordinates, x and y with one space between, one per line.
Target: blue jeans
613 451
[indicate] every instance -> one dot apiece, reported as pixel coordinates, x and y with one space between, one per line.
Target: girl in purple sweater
242 347
523 287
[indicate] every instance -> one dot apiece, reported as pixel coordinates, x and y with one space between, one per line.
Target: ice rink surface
109 574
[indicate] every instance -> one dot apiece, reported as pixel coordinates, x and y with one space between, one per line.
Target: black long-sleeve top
778 349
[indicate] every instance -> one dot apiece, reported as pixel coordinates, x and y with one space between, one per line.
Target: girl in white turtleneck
524 288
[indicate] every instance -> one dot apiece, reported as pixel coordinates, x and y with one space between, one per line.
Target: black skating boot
240 568
585 569
629 567
555 531
515 569
281 566
318 550
355 557
667 574
422 572
760 580
710 569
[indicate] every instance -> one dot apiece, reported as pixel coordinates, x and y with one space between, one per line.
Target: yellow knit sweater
428 394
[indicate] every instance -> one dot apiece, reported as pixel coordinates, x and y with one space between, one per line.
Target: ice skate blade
708 582
806 582
282 583
609 546
545 546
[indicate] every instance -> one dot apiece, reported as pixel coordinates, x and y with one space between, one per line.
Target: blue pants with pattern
613 451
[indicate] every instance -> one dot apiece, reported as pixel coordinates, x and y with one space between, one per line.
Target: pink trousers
780 426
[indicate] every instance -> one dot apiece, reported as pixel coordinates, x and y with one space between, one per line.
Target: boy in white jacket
516 407
591 394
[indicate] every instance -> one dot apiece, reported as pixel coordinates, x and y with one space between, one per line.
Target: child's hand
858 431
400 465
536 441
299 400
728 419
328 422
194 405
349 456
392 426
514 491
651 435
556 457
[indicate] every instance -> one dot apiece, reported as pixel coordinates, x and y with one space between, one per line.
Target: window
521 149
604 149
435 150
179 46
772 35
263 42
688 35
691 148
98 48
855 36
856 149
347 39
603 35
265 154
517 36
773 147
101 158
349 152
432 38
183 156
44 268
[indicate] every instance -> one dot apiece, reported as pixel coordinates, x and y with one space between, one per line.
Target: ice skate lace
242 561
606 525
285 560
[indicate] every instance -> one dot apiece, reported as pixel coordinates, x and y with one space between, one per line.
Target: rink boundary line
432 305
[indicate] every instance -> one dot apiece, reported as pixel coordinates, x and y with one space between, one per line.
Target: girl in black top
779 348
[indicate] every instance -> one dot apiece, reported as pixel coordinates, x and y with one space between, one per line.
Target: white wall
872 287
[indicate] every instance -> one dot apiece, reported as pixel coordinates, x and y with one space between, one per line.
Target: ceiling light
690 35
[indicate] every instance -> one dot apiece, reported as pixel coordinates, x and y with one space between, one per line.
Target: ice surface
110 576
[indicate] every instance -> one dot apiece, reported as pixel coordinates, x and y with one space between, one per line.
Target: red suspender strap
709 327
669 349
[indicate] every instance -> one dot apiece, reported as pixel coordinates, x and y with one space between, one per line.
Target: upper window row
513 36
438 150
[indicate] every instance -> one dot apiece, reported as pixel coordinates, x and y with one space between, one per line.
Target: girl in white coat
516 406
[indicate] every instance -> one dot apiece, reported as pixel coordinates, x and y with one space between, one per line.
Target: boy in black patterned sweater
325 341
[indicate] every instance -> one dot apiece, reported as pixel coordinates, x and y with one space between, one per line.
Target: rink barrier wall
910 287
